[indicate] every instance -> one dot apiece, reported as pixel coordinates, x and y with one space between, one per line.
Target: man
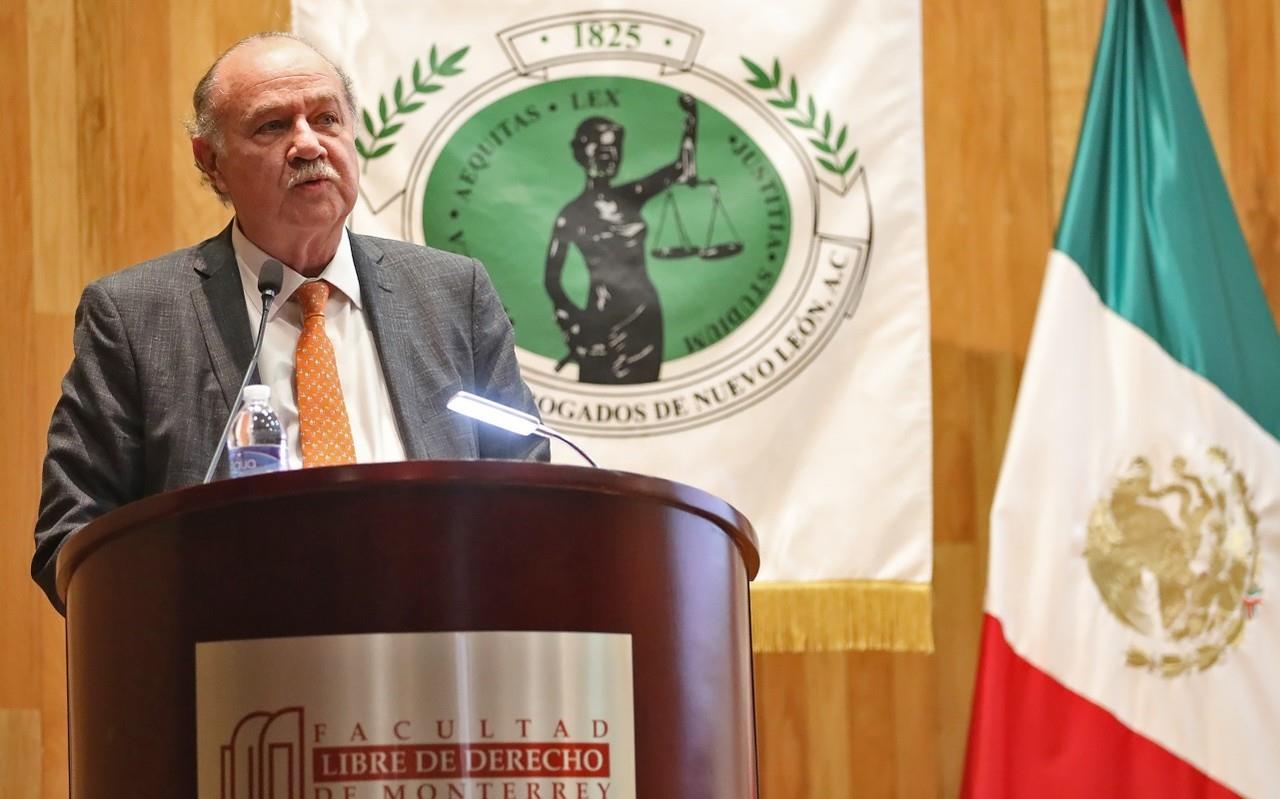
160 347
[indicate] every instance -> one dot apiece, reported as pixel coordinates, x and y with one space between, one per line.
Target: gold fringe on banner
838 616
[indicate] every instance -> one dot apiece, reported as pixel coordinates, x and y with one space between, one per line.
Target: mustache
313 170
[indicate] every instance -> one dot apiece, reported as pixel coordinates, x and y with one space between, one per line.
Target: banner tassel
840 616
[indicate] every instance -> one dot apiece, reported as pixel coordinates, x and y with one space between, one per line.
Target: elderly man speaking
160 348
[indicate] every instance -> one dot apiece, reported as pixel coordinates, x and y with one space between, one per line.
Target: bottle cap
257 393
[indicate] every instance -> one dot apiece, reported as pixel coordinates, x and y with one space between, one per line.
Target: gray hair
204 119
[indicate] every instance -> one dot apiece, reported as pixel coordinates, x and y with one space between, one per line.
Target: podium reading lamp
510 419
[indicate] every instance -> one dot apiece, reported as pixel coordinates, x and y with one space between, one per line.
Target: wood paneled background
95 174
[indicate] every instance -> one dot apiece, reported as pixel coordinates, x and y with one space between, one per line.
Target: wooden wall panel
17 635
835 724
54 156
121 73
32 722
20 740
96 174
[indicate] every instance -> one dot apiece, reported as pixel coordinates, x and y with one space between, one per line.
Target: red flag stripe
1031 736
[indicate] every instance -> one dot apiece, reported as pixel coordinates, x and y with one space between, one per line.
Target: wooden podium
421 547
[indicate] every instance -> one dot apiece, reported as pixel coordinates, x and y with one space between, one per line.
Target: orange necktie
324 431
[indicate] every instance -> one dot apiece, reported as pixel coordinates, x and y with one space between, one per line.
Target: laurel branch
831 156
403 104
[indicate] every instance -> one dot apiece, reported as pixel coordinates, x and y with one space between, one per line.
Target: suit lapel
226 330
397 330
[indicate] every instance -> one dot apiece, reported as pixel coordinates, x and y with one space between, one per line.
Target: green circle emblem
592 191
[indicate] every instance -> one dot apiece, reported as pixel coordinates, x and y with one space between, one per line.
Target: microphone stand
270 279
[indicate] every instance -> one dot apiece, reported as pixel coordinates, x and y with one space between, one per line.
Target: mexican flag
1130 641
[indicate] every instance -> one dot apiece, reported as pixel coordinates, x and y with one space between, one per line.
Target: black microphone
270 279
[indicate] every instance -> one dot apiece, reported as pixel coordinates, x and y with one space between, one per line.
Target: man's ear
206 156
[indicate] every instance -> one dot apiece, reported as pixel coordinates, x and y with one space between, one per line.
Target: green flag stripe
1149 220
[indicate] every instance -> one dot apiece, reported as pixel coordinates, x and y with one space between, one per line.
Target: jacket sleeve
94 458
497 373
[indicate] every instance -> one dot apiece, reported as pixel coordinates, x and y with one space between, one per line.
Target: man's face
287 155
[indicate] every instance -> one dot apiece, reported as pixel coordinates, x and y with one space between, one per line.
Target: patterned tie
324 431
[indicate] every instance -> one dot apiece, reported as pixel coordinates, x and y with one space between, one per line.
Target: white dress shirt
373 424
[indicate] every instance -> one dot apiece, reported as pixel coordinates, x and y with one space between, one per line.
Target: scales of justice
683 247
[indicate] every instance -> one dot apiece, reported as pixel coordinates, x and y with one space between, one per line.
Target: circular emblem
1173 552
672 244
586 200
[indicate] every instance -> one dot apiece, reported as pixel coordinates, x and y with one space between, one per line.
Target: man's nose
306 144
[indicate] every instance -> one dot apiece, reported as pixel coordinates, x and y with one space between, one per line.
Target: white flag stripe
1096 393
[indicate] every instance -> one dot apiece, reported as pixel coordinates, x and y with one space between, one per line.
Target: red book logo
264 758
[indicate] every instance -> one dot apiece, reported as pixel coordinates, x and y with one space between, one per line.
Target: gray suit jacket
161 347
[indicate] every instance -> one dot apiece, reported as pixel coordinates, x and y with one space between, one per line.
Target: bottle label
257 459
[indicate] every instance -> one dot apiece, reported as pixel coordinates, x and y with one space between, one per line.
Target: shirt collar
340 272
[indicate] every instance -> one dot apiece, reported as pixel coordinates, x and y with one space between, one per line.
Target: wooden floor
96 175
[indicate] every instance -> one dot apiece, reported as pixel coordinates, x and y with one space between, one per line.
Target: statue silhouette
617 337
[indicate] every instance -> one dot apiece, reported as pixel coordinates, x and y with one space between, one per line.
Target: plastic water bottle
257 443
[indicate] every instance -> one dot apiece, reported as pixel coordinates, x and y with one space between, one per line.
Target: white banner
706 221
